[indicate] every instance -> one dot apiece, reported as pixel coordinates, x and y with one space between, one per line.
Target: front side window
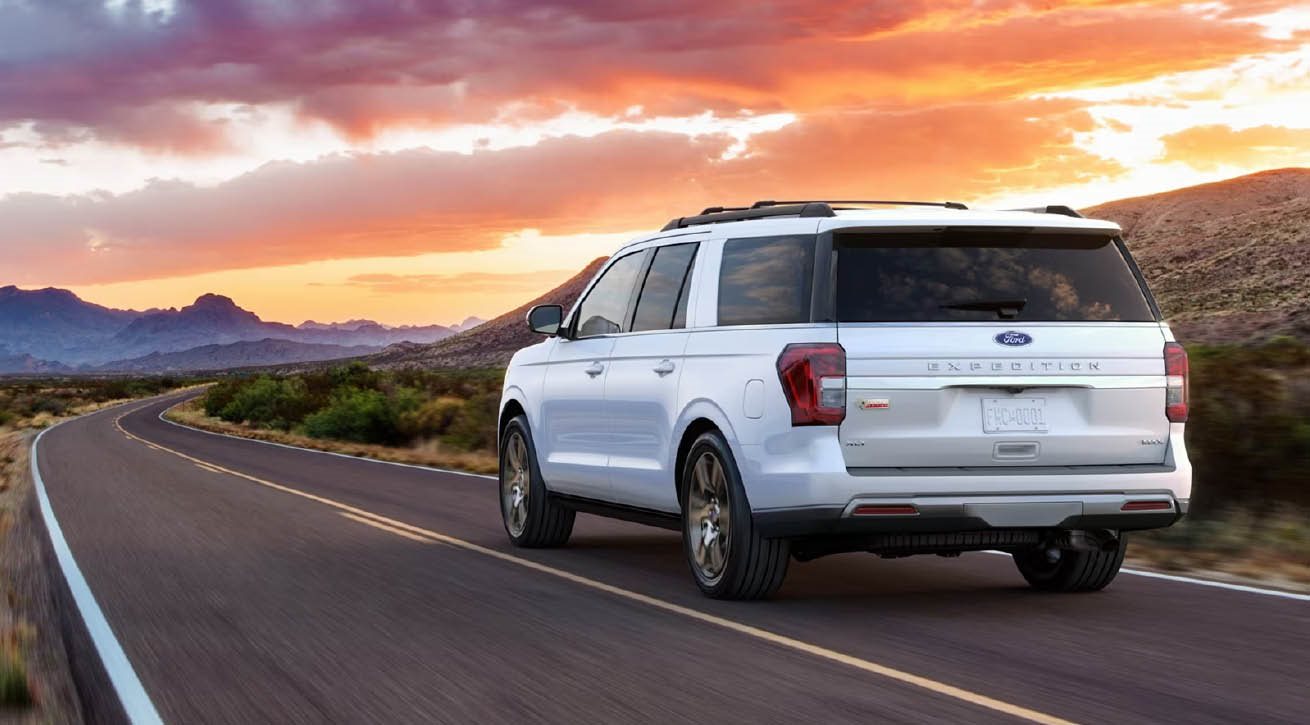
766 280
603 311
663 296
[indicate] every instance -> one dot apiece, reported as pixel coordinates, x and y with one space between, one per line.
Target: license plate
1014 415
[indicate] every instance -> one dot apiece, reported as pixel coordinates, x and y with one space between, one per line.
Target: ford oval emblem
1013 338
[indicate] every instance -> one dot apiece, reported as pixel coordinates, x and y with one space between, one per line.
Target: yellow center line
387 528
419 533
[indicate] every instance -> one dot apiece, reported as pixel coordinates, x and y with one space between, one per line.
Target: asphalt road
255 583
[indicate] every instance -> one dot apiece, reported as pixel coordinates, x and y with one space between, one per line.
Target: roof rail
1052 209
770 208
718 214
945 204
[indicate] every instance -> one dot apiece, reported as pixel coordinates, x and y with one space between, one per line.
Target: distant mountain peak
347 325
209 300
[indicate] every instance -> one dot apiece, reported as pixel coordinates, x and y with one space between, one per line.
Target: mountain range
53 330
1229 262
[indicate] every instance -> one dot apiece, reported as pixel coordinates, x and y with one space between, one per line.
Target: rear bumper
956 513
799 485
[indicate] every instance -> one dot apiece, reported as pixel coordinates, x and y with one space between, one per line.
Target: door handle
664 368
595 369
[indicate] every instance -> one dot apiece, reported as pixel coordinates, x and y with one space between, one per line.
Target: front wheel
1071 571
532 519
728 557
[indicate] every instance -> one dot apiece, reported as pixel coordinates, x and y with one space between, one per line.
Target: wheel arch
511 408
700 417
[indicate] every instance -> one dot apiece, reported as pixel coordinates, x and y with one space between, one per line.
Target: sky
417 162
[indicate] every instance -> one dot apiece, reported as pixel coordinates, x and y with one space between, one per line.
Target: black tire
1074 571
746 565
541 522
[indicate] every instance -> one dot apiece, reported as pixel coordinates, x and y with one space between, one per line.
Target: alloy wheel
515 483
708 519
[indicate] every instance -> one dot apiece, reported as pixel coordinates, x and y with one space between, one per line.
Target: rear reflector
885 510
1147 506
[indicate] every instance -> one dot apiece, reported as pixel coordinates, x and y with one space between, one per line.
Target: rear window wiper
1004 309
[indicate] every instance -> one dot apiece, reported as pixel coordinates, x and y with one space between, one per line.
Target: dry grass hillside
490 344
1228 261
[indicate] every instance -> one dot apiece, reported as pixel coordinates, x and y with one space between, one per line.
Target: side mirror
545 319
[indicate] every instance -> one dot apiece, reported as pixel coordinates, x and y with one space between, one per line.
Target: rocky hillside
1228 261
490 344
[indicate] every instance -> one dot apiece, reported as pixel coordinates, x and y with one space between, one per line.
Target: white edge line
1134 572
1204 582
136 703
432 469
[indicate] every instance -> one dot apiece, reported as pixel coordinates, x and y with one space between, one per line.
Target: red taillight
813 378
1175 370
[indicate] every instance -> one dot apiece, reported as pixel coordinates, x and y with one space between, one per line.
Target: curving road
257 583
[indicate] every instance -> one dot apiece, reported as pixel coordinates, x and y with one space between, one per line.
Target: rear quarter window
976 277
766 280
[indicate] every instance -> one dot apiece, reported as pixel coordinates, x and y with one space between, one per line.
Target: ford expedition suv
796 379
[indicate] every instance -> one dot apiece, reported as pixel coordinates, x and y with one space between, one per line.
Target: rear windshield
948 277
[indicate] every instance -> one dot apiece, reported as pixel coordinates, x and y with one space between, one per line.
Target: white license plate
1014 415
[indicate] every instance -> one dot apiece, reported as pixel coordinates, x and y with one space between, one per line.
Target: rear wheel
728 558
531 518
1070 571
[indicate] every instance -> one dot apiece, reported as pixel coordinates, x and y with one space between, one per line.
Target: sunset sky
416 162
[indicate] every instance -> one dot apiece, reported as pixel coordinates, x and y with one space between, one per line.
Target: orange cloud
1210 147
422 201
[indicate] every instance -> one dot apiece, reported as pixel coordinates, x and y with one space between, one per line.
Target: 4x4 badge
875 404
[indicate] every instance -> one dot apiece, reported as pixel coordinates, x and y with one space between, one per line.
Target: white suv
797 379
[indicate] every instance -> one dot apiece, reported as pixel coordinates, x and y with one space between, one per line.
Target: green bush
474 427
220 395
269 402
362 416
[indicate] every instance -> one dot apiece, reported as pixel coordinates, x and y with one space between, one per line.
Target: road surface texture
254 583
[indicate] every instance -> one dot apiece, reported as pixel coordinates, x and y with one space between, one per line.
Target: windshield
947 277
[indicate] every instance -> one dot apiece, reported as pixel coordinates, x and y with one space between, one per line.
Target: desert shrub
220 395
431 418
362 416
268 402
5 416
355 375
49 404
13 682
1248 433
474 426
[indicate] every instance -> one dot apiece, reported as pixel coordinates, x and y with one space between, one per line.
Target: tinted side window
977 277
766 280
665 285
606 305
